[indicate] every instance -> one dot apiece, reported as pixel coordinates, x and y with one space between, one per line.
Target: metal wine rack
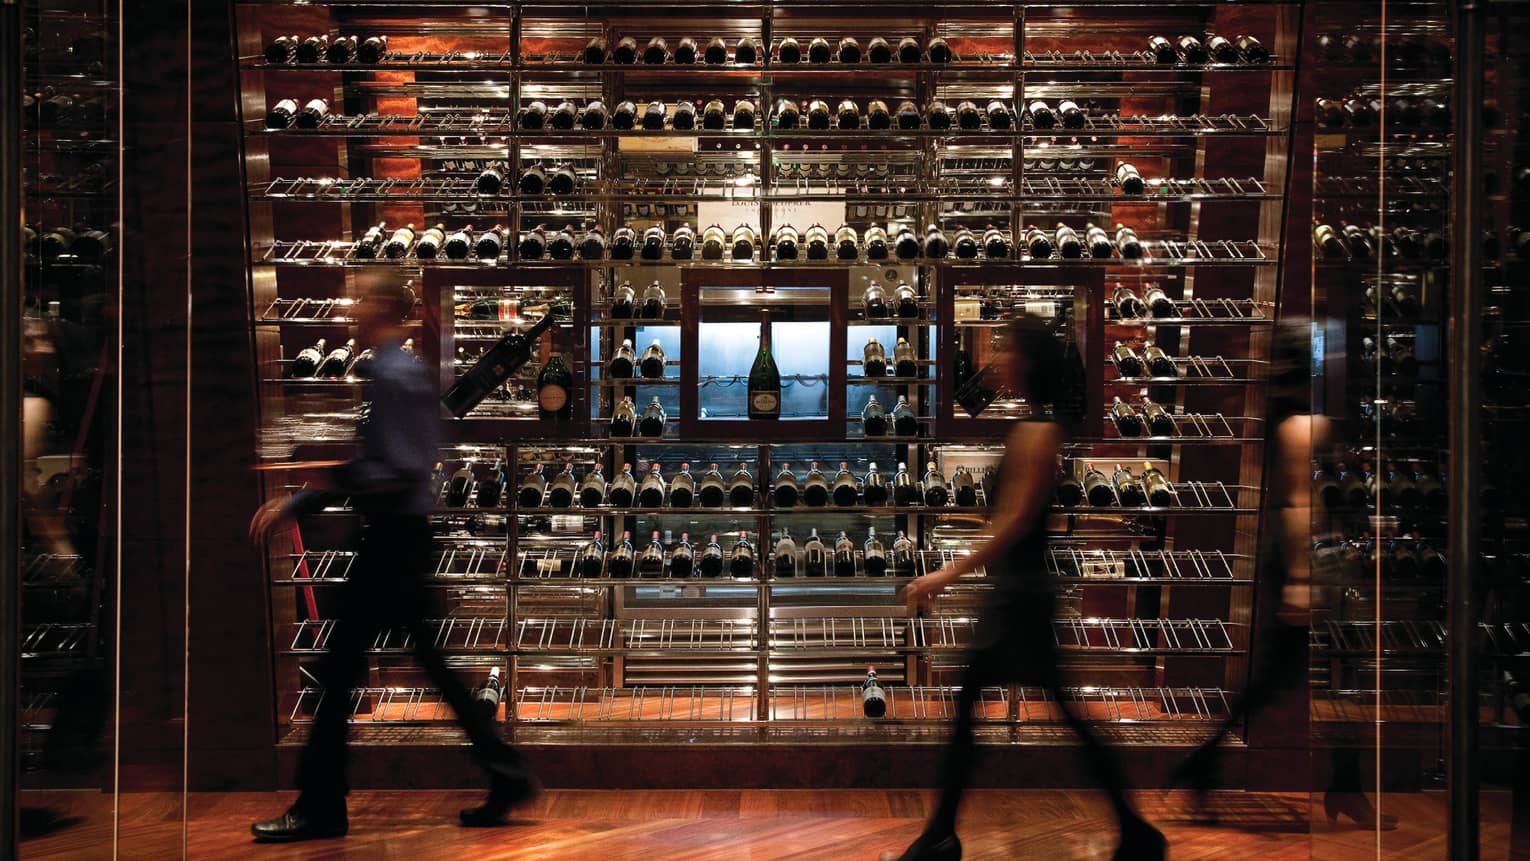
405 141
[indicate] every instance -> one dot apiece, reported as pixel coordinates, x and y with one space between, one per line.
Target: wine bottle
1097 488
743 114
816 241
873 361
1128 489
714 117
592 491
873 418
787 490
622 361
1222 50
818 50
746 51
815 488
460 486
963 488
685 52
1160 422
967 116
1158 362
741 488
936 492
623 488
459 244
938 115
1252 51
281 50
1128 306
684 117
656 52
1127 243
711 564
624 419
1073 116
624 117
533 243
620 563
764 378
626 51
337 360
534 117
904 555
999 116
788 51
741 559
1129 180
428 246
908 116
1158 303
554 385
844 556
876 243
1160 494
592 117
1070 491
784 557
905 364
965 244
399 243
1127 421
653 116
651 492
486 699
651 422
905 489
651 562
654 301
682 558
844 490
491 369
1192 49
936 246
908 50
310 116
785 242
818 114
873 698
561 245
489 244
1128 364
371 49
592 557
1069 245
1100 246
653 243
306 363
341 51
907 244
815 557
594 52
713 490
1041 114
995 245
1038 244
939 51
1163 51
312 49
593 245
742 241
652 365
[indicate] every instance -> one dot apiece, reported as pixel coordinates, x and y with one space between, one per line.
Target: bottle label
552 398
765 402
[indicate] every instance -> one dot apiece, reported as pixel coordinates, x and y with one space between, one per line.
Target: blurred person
46 527
1014 640
1281 654
389 483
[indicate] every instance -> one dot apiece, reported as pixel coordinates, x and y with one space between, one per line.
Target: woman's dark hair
1290 391
1046 371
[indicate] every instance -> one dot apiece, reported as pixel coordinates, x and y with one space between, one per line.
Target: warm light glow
996 181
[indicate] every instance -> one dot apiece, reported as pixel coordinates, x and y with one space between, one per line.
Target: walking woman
1014 640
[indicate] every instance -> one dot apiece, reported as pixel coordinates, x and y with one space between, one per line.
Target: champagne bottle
372 49
741 488
1158 362
281 50
908 116
682 559
651 422
554 385
1097 488
817 241
905 489
1163 51
564 116
849 50
741 559
742 241
815 488
815 556
873 418
654 299
624 419
788 51
711 564
788 114
873 361
312 49
876 243
560 493
713 490
653 244
533 488
1100 246
905 423
651 491
1127 362
940 52
1128 422
877 116
818 50
743 114
1222 49
622 361
995 245
904 556
818 114
342 50
534 117
905 363
844 556
787 490
845 491
874 301
785 242
592 491
712 241
626 51
656 52
592 557
907 244
486 699
460 486
963 488
620 563
874 489
652 365
714 117
1128 306
873 698
623 301
1160 422
593 116
746 51
764 378
936 492
784 558
1160 493
493 368
685 52
624 117
847 117
337 361
1192 50
651 562
594 51
1128 489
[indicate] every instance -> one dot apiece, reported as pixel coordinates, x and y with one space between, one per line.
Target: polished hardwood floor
756 825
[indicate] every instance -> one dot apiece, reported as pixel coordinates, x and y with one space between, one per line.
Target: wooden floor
755 825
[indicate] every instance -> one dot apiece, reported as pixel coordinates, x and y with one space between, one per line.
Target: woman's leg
961 750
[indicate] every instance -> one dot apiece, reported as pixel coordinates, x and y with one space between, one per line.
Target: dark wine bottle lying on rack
686 51
1160 422
1070 491
849 50
372 49
1163 51
788 51
493 368
746 51
815 487
656 52
873 418
818 50
1127 421
312 49
281 50
711 564
878 51
784 557
591 557
876 243
938 116
341 50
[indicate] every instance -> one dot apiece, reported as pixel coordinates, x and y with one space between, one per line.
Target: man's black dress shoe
505 793
928 848
295 825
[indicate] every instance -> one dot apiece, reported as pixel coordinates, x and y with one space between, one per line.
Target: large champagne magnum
493 368
554 387
764 379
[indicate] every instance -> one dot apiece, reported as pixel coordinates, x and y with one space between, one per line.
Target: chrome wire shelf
1146 636
1213 426
394 705
455 634
1194 125
916 703
53 570
1190 497
797 637
841 703
474 563
1237 312
1147 566
635 636
699 704
1192 370
56 639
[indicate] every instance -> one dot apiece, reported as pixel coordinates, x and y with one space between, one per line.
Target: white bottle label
765 402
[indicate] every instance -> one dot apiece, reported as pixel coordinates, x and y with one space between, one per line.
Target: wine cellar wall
657 529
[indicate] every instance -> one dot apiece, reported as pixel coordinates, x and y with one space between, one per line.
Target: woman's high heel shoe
946 848
1356 807
1141 842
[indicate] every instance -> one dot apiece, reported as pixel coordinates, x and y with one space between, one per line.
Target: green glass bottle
764 379
554 387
